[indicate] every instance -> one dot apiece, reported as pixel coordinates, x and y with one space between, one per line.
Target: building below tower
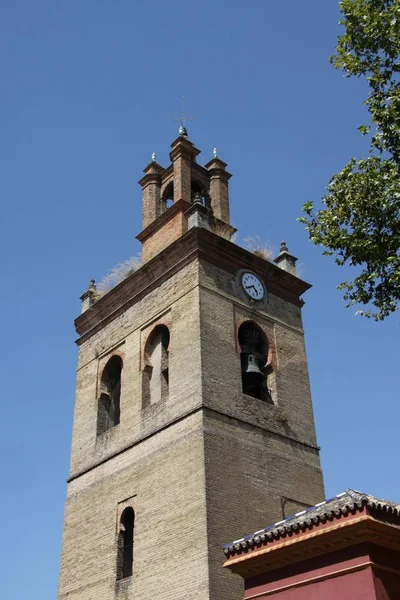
347 547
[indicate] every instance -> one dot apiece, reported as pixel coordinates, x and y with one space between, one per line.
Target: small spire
285 260
153 157
283 247
89 297
215 154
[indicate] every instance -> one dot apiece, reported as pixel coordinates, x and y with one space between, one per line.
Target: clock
253 286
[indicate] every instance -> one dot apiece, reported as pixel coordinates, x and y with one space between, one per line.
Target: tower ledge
197 243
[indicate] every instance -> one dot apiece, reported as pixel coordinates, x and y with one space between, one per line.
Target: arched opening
254 355
196 188
198 191
156 371
168 196
125 544
108 411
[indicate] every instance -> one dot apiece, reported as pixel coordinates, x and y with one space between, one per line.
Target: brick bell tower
193 418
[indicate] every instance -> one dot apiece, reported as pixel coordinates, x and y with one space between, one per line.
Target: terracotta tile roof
341 504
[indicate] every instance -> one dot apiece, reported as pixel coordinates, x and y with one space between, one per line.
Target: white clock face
253 286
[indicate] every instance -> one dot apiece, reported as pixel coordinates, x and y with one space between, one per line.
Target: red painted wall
353 586
387 585
335 582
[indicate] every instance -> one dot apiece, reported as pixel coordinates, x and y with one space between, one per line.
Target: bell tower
193 419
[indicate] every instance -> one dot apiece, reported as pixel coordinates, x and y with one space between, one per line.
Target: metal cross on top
183 119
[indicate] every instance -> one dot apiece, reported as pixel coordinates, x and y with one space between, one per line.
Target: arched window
198 191
254 355
108 412
196 188
156 371
125 544
168 196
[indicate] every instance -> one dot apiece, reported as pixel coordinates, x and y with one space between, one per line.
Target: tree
359 223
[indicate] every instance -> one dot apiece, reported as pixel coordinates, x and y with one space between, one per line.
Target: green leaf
358 222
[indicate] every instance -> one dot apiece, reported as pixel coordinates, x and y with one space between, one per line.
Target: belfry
193 419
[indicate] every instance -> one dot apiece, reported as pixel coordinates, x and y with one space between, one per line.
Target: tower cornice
197 243
183 147
152 172
216 163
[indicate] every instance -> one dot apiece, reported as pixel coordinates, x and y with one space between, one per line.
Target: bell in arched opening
252 368
254 354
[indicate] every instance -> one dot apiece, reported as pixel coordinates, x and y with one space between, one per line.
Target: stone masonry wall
165 477
257 453
176 301
222 309
207 465
154 454
245 486
164 236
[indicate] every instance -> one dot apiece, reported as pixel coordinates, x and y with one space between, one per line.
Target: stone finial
284 247
215 154
285 260
197 199
183 131
89 297
153 157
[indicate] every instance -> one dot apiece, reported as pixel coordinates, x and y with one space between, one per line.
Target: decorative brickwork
178 184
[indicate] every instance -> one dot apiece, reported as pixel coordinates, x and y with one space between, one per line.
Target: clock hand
251 286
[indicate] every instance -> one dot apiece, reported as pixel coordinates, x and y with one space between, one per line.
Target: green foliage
360 221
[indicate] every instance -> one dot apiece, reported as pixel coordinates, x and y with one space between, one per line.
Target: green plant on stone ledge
118 274
258 247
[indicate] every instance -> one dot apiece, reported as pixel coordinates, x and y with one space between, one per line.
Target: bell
252 366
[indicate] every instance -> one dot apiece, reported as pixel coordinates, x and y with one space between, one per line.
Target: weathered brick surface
166 474
248 470
219 192
182 179
178 296
253 457
151 202
187 177
205 466
163 237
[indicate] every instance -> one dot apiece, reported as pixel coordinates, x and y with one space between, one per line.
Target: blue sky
88 92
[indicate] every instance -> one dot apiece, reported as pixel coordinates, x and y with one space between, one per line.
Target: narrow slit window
125 544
